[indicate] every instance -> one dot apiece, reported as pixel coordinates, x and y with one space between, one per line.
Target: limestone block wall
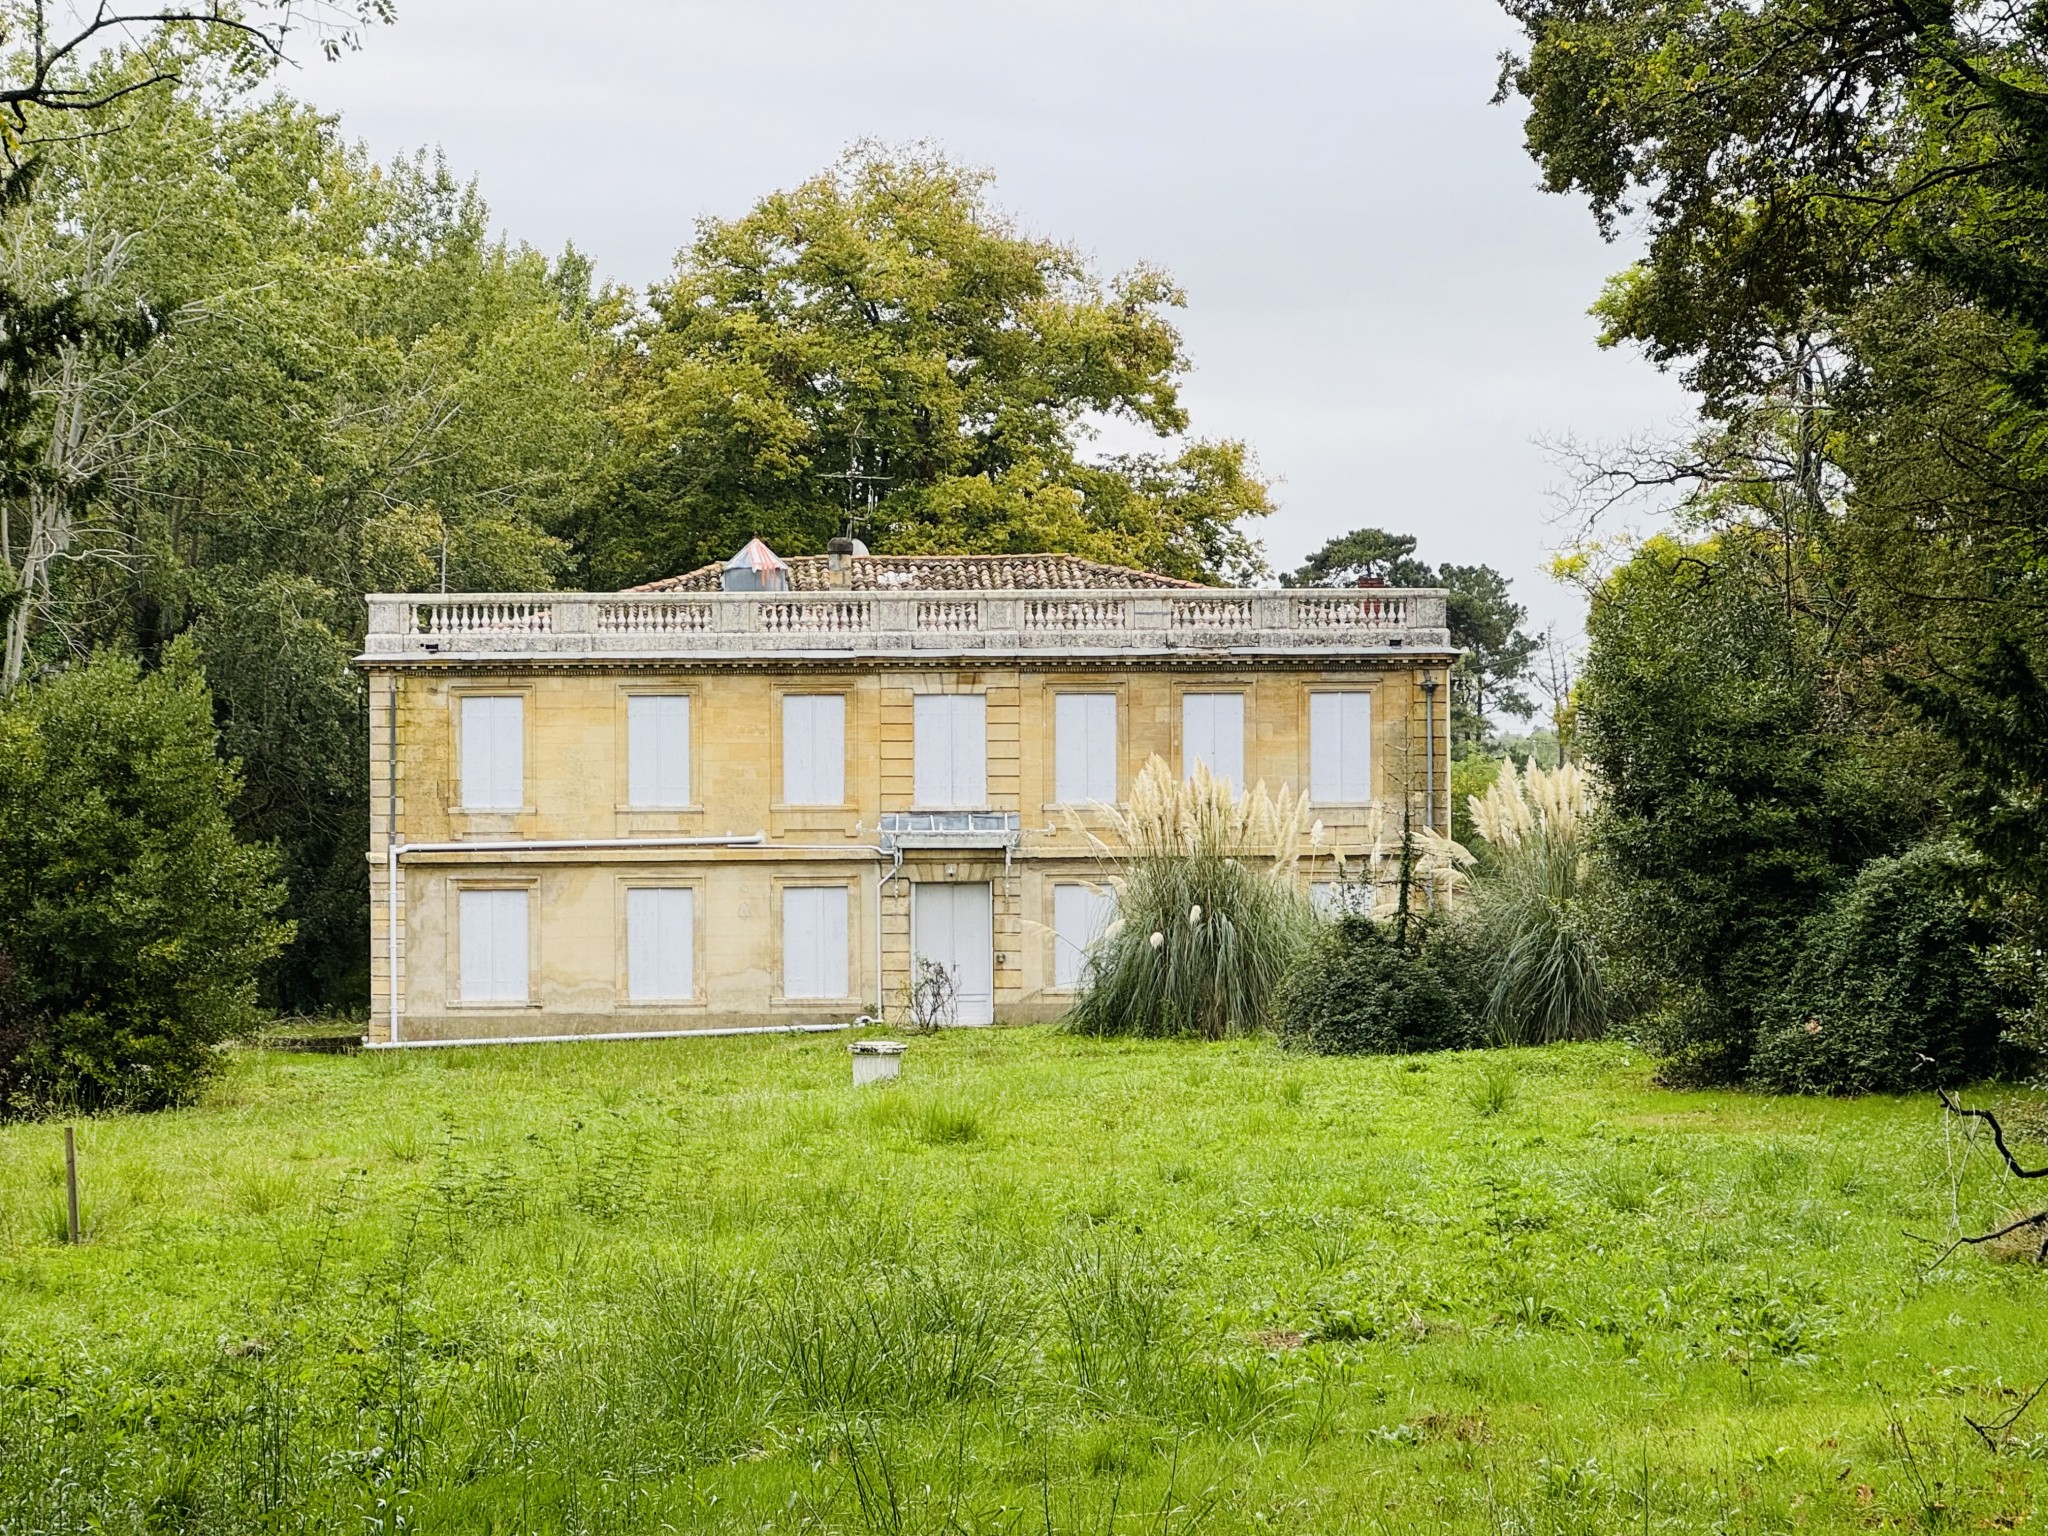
576 790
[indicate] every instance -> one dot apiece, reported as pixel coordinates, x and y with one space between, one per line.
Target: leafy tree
1484 620
879 349
347 386
138 921
1845 203
1740 792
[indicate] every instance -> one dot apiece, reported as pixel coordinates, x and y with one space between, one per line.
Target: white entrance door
949 925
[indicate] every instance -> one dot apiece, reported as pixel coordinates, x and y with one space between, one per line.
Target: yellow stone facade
576 848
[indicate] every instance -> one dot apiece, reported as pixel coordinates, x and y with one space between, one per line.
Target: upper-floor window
951 747
494 956
657 749
814 749
1340 748
1084 747
493 752
1212 732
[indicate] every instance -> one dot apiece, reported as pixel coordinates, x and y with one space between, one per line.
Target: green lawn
1041 1284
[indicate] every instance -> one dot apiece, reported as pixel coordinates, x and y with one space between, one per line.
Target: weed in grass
929 1121
1629 1180
1774 1168
56 1222
402 1142
947 1125
1326 1249
1493 1091
266 1192
1292 1091
1238 1396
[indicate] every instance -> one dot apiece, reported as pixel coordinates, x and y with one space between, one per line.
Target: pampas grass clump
1208 915
1549 984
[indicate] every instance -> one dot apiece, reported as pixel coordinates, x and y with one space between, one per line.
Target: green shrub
1360 991
136 922
1208 916
1890 991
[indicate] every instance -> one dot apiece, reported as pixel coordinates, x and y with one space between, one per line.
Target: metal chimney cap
756 568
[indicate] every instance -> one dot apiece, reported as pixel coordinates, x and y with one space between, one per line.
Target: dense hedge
1890 991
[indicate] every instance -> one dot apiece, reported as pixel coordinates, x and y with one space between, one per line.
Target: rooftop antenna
860 487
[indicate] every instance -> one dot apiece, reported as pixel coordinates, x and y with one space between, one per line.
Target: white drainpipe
881 1003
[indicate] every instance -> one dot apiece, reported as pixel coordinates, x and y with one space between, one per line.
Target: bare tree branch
1997 1136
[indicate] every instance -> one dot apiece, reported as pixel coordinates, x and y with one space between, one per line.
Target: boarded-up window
813 749
1340 748
1080 914
814 941
493 754
952 751
1084 747
1212 732
660 943
493 940
658 749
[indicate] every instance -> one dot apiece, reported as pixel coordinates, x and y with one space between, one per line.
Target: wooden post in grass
71 1180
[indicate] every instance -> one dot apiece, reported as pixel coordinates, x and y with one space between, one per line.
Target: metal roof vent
757 568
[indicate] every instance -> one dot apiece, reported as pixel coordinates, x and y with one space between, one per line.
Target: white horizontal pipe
637 1034
557 844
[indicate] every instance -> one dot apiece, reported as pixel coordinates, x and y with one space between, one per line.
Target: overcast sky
1380 299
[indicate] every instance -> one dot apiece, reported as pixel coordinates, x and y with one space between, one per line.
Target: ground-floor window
814 942
494 948
1333 898
660 944
1080 913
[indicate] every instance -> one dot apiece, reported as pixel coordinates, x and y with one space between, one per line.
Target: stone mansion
746 797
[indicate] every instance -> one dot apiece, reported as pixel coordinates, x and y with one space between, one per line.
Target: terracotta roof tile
943 573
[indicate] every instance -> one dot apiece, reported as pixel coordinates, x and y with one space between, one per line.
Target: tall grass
1531 906
1155 1295
1208 915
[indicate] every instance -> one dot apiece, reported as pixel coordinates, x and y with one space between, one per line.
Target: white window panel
814 941
1340 748
657 749
1212 732
1333 898
1084 748
494 952
951 746
1080 915
660 943
493 753
813 749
